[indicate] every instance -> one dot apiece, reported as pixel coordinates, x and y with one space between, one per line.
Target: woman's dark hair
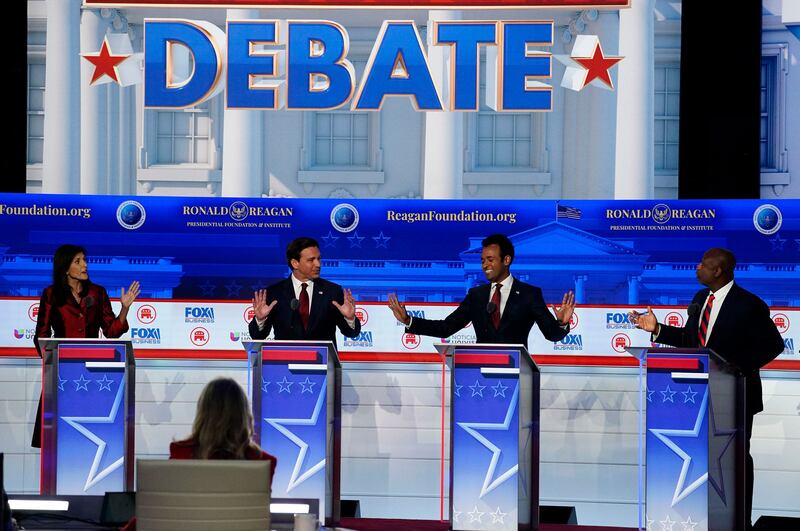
61 261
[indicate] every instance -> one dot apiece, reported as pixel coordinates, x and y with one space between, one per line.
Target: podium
694 443
494 434
88 423
296 398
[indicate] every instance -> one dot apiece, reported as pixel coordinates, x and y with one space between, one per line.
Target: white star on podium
285 385
663 435
279 424
81 383
498 516
94 476
477 389
472 427
475 515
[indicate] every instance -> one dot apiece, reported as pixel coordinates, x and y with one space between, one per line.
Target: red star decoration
104 63
597 66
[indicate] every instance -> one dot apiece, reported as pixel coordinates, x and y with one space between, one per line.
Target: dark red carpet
383 524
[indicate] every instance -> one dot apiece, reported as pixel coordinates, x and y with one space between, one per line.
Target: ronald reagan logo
661 214
33 312
198 314
573 342
781 321
237 211
767 219
199 336
344 217
618 320
410 341
674 319
146 336
363 339
146 314
620 342
131 215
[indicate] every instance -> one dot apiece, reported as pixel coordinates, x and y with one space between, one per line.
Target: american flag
568 212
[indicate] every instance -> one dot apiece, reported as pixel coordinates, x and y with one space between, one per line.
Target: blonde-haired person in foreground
223 427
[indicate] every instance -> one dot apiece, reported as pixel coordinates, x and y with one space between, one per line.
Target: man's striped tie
703 331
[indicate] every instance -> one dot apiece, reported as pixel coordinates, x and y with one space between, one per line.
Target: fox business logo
146 336
570 342
414 314
788 346
363 339
618 320
194 314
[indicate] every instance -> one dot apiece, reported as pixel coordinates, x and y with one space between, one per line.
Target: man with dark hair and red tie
732 322
503 311
304 306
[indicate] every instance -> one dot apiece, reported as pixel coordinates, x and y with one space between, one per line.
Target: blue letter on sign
319 75
397 66
160 40
520 91
465 39
247 67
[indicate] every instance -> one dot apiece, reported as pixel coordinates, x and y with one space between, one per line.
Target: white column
634 177
243 144
62 125
443 170
94 110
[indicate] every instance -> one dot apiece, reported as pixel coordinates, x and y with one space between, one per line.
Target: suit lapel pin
319 293
517 292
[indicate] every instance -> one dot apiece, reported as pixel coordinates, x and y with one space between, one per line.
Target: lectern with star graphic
694 440
87 416
494 430
296 408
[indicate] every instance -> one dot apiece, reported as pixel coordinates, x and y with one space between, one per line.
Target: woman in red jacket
223 427
75 307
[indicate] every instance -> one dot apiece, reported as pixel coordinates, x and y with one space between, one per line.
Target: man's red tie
496 302
304 305
703 331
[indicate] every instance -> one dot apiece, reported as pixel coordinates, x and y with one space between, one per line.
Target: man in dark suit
304 306
732 322
503 311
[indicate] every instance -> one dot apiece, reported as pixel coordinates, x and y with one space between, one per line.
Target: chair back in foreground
200 494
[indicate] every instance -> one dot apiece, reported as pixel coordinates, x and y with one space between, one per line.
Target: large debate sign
199 261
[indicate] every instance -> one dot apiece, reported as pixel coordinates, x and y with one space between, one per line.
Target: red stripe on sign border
70 352
268 354
494 360
673 363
